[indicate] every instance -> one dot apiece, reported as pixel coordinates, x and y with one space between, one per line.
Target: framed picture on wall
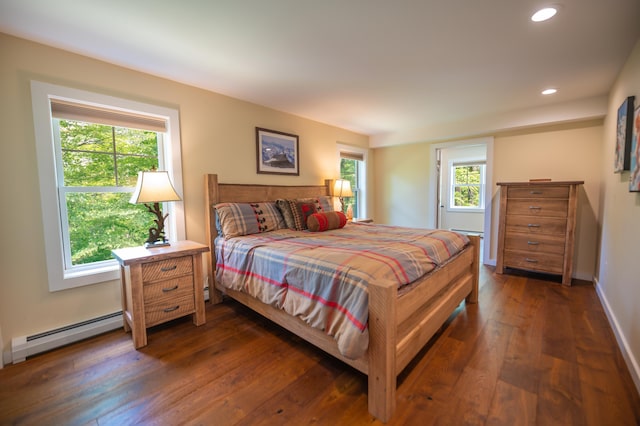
623 136
277 152
634 176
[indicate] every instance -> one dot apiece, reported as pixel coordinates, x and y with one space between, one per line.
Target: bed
399 322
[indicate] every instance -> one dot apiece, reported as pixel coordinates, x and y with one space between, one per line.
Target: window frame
59 276
361 191
452 185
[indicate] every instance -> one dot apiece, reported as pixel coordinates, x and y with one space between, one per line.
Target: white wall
1 349
456 219
618 273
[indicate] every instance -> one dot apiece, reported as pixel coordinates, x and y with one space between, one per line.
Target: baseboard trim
629 358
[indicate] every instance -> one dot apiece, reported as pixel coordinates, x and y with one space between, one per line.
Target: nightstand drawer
166 269
543 262
536 225
168 289
538 191
541 243
551 208
165 310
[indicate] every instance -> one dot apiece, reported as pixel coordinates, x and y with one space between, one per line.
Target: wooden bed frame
399 326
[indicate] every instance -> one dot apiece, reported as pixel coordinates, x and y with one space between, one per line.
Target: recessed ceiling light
549 91
544 14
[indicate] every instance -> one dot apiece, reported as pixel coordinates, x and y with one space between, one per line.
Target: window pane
466 196
138 142
101 222
88 169
349 171
77 135
467 174
129 166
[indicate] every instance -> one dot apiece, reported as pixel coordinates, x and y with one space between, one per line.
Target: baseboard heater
24 346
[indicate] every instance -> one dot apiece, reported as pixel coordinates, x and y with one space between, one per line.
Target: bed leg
215 296
475 269
382 351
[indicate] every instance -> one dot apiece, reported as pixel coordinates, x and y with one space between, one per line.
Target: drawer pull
169 268
533 243
535 192
175 308
533 225
528 259
167 290
535 207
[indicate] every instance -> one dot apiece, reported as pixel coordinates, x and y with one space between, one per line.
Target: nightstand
160 284
362 220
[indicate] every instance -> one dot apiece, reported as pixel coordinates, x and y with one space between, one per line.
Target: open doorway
462 188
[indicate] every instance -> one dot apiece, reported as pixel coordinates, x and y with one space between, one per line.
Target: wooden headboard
216 192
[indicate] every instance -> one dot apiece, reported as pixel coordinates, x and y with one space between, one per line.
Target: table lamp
342 189
152 189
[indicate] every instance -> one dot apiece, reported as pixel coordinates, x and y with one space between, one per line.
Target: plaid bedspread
322 277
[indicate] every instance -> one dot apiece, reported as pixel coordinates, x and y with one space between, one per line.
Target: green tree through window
349 171
467 182
100 166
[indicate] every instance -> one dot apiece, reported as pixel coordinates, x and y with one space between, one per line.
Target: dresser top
542 183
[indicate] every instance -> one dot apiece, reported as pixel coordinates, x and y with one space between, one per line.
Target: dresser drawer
538 207
535 243
535 191
168 289
536 225
543 262
165 269
165 310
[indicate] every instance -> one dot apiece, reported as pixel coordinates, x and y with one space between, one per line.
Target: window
467 186
90 149
353 168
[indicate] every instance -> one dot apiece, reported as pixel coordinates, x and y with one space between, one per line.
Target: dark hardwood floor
531 352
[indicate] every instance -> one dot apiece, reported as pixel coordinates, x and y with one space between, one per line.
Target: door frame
435 180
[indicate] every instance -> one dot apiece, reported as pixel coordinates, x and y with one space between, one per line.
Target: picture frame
634 176
624 129
277 152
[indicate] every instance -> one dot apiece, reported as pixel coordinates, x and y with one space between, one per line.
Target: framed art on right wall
623 135
634 176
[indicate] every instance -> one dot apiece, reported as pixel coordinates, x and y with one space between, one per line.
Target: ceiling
399 71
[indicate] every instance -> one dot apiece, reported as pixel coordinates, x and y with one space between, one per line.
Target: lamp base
156 244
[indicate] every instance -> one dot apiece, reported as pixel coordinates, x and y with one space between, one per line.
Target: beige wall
618 274
218 136
567 152
570 153
402 185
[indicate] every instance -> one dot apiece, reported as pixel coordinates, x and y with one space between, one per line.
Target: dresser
537 227
160 284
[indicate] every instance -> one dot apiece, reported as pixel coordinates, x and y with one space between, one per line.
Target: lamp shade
153 187
342 188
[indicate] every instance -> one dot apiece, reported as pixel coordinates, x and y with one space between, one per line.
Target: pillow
320 222
295 213
323 203
237 219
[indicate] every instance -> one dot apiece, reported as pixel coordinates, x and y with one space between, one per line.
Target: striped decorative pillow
296 212
320 222
237 219
292 211
323 203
